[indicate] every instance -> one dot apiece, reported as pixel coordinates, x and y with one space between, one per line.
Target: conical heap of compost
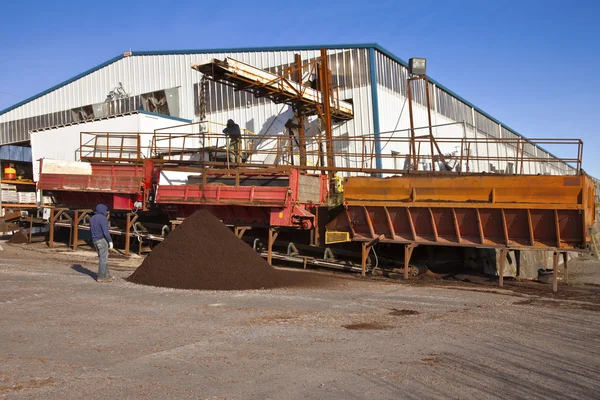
202 253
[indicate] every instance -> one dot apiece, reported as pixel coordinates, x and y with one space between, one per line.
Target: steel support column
273 232
566 266
54 216
128 224
408 249
326 94
501 267
79 216
239 231
555 258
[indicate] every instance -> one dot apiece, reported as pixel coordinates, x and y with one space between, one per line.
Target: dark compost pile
202 253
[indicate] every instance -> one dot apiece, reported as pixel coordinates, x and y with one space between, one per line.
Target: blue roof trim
249 49
53 88
375 106
164 116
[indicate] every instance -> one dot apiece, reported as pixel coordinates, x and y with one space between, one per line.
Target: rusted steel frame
95 144
158 137
320 156
282 80
325 90
519 158
299 116
480 226
522 156
431 139
364 254
468 155
579 156
555 259
456 226
365 249
372 155
411 224
390 223
566 267
363 150
557 226
442 204
369 222
55 214
517 149
408 249
530 227
273 233
433 225
505 227
79 216
503 253
240 230
347 214
462 149
121 148
30 228
128 224
359 239
412 150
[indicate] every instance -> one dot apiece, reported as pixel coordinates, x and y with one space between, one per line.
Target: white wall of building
63 143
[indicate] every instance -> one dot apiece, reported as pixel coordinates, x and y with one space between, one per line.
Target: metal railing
462 151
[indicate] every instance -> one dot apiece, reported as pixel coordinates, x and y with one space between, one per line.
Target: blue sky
531 64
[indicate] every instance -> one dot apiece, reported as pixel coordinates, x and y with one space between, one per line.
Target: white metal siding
148 73
446 109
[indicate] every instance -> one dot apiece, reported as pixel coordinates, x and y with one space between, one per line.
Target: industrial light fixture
416 66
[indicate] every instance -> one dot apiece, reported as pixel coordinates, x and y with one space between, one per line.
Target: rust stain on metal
489 211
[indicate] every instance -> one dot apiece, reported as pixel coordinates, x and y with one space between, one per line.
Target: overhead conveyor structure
278 88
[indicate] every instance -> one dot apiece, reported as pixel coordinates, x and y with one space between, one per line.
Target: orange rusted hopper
472 210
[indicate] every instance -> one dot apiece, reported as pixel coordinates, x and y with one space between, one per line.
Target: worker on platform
232 130
102 241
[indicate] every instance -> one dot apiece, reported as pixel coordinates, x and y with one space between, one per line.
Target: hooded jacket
99 224
232 130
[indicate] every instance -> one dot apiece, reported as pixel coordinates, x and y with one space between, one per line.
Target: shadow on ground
83 270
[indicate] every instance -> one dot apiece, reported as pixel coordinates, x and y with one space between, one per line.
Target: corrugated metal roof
197 51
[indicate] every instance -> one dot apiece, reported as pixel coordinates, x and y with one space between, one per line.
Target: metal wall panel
148 73
446 109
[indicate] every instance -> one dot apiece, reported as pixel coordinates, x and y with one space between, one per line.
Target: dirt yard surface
64 336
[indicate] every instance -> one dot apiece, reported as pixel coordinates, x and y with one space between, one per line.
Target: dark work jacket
99 224
232 130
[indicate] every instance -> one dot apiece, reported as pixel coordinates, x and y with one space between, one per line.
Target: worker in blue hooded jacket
102 241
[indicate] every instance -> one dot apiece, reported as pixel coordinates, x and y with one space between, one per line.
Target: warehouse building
369 77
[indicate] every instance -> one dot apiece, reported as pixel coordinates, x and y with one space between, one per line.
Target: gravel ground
64 336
